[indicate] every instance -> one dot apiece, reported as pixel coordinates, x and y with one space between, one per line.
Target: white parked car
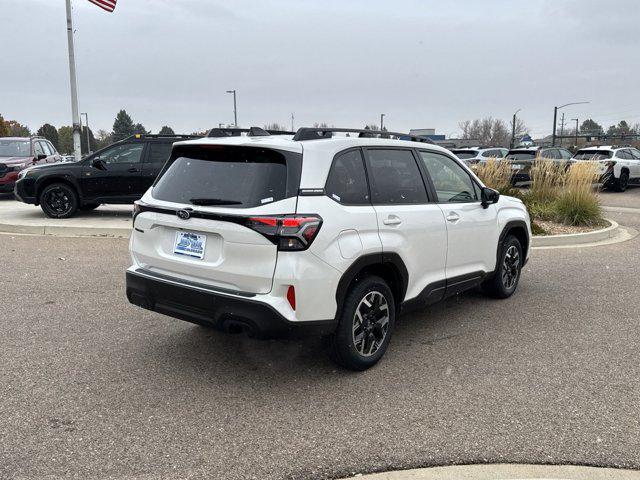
474 155
618 166
322 232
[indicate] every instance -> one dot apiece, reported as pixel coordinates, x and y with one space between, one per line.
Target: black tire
89 206
59 200
372 326
622 183
507 275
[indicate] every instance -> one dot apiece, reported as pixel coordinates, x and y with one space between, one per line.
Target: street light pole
382 121
235 110
513 129
74 89
555 118
576 120
86 122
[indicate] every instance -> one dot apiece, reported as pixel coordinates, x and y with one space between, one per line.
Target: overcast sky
425 64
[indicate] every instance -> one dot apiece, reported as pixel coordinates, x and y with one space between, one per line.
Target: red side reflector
291 296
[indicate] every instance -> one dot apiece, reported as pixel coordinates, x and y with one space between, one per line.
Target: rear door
471 229
158 152
408 223
230 195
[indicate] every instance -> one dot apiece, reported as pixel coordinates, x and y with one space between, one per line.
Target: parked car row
618 166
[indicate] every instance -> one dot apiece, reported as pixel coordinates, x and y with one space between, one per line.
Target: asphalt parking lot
94 388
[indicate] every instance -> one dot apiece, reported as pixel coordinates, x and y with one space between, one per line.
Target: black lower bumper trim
224 312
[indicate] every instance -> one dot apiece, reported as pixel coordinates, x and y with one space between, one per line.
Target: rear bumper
228 312
520 177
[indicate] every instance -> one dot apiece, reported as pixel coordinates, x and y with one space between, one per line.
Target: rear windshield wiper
214 201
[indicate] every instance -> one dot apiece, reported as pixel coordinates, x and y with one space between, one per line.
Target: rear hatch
602 157
202 220
521 160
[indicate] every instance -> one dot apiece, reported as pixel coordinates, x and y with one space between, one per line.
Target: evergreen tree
83 141
139 128
49 132
65 140
122 126
166 131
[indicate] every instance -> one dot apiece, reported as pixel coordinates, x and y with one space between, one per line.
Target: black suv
119 173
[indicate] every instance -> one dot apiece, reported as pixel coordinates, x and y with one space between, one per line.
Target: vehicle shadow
202 352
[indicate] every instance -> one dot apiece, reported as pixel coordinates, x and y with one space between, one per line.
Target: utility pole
513 130
576 120
555 119
382 121
74 88
235 109
561 128
86 122
292 122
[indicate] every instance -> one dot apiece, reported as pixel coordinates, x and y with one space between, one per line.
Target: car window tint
159 152
451 181
347 181
38 148
635 153
127 153
394 177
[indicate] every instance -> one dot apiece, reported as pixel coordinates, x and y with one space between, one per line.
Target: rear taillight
288 232
610 164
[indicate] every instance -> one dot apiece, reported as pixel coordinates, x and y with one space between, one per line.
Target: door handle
453 217
392 220
133 170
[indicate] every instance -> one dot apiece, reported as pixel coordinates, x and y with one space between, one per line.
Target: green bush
572 209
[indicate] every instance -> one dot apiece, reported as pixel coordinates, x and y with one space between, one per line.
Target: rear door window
394 177
235 177
158 152
347 181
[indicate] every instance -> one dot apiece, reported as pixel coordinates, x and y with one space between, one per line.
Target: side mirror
489 196
99 164
40 157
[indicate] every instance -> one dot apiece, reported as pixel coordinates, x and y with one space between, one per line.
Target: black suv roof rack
308 133
156 135
251 132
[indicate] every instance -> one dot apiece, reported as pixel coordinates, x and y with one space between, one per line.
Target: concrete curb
621 209
503 471
66 230
577 238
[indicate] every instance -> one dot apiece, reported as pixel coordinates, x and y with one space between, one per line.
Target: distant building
429 133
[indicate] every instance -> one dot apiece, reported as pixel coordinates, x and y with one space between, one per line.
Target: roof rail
318 133
251 132
156 135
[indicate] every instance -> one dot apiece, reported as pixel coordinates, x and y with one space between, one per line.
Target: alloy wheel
510 267
370 323
58 201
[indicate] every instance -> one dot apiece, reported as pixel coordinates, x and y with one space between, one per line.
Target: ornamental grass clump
547 179
577 203
496 174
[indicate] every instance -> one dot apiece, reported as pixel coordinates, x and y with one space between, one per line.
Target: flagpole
74 88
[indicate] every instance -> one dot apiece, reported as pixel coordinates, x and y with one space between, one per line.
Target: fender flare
505 230
389 260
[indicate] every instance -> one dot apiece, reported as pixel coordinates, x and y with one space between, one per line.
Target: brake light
610 164
291 296
290 232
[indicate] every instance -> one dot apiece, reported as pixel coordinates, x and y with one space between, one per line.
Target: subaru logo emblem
183 214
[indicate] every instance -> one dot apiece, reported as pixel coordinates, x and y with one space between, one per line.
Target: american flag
108 5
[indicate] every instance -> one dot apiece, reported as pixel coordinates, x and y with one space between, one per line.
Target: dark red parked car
18 153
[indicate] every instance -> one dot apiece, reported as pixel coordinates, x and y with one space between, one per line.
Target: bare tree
275 126
490 131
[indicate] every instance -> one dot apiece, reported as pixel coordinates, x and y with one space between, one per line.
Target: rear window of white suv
240 177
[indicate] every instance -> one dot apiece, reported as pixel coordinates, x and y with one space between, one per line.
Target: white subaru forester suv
320 232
